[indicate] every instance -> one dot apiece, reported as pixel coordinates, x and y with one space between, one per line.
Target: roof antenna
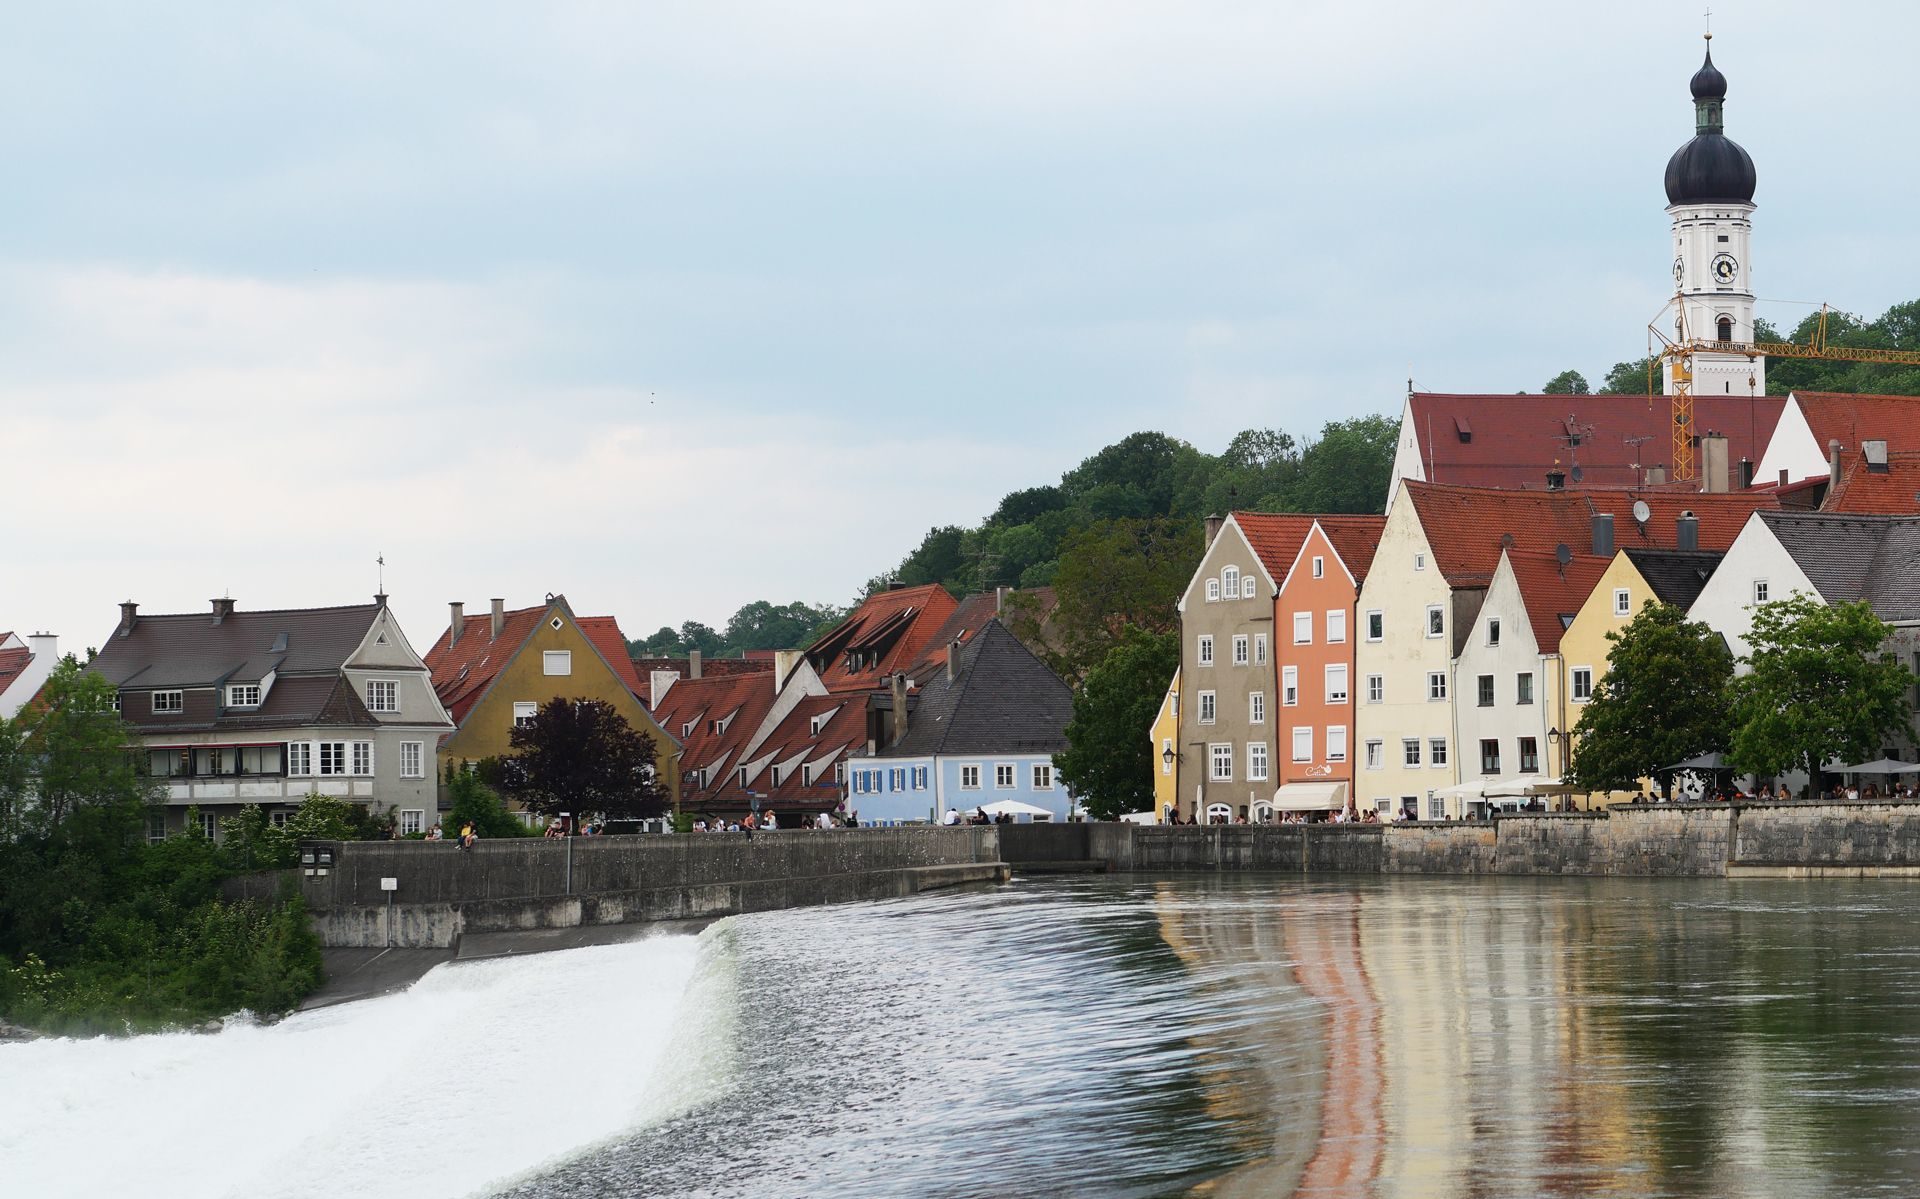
381 562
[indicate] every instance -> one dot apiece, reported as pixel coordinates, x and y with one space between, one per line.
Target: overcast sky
671 307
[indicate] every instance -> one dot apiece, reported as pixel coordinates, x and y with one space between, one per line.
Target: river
1114 1036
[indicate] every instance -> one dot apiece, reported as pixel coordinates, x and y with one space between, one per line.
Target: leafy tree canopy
1822 688
1898 328
581 757
1640 376
1566 383
1663 700
1109 758
1117 578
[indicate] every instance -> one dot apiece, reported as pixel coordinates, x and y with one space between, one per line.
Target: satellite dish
1562 554
1578 474
1641 513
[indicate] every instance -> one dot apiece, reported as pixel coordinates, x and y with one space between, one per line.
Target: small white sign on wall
389 884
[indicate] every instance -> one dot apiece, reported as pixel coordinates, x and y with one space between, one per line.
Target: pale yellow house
1634 578
1166 750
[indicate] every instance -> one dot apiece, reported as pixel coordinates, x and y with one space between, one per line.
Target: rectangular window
1436 621
1582 684
1230 581
1419 561
1436 808
299 758
969 778
1437 751
1260 649
1257 762
1529 756
209 826
168 763
1303 744
1336 743
1376 688
524 712
896 779
1489 757
1204 650
259 759
1376 754
556 661
1239 649
1257 708
1222 757
1213 591
1486 690
1760 591
1336 626
1493 631
1003 775
333 757
1622 602
382 696
1319 567
413 760
1376 625
1043 776
1246 587
1410 751
1206 707
156 825
1289 685
243 695
919 778
1523 687
169 701
412 820
1437 685
280 817
1303 628
363 758
1337 683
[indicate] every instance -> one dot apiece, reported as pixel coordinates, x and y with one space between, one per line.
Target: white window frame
1376 688
1336 680
1410 752
1436 621
1006 776
413 759
1493 632
1260 649
1208 708
243 695
1289 686
1437 753
1419 561
1376 625
1256 762
1239 649
1230 582
1213 591
556 662
360 757
523 713
1256 707
1319 567
1043 776
1580 684
1220 755
1622 601
1203 649
387 689
210 825
1436 807
412 820
1248 589
1762 588
970 776
1336 743
299 759
1303 628
1302 733
176 701
332 758
1376 754
1436 686
1336 626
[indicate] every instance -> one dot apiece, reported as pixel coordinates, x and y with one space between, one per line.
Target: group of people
468 835
977 816
770 822
557 828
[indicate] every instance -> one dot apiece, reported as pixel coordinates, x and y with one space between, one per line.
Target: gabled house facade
235 708
493 671
25 664
1165 739
1818 429
1316 628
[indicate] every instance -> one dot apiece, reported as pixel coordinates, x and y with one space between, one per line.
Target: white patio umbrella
1883 766
1013 807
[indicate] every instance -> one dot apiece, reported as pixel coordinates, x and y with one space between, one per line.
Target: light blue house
981 733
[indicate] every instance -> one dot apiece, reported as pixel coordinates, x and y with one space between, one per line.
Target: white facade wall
1407 463
1507 720
1403 582
1725 604
1792 448
1713 264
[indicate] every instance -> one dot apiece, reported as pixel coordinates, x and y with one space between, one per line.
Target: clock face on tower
1679 271
1724 268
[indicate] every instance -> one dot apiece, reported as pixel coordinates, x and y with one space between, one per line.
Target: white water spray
478 1075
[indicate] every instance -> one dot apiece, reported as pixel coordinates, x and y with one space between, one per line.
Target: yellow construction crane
1678 352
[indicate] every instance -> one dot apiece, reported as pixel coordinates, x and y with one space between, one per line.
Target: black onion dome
1708 83
1710 169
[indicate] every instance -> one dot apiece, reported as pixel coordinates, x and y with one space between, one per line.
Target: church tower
1710 184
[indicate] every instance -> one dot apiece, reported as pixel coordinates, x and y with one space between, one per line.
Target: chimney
45 647
693 663
899 707
1783 476
222 608
129 616
499 618
999 601
1656 476
1603 534
1746 473
1833 461
456 621
1213 524
1556 480
659 683
1875 454
896 585
953 659
380 598
784 662
1687 536
1713 463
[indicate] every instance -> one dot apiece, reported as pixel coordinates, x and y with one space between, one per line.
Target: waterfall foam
479 1074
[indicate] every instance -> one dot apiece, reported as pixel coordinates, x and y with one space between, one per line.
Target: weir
422 894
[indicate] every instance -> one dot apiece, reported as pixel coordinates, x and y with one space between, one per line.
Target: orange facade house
1315 632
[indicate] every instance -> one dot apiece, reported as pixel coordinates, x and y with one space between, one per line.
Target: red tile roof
1552 592
1354 538
689 711
606 636
1849 419
1276 537
886 633
1465 525
1512 441
1892 492
463 670
12 662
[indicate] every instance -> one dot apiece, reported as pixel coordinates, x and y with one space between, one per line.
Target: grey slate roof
1676 576
1847 558
1001 699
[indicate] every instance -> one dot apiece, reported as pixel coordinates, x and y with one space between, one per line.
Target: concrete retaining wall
1827 838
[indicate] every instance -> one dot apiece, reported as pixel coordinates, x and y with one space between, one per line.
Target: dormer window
243 695
169 701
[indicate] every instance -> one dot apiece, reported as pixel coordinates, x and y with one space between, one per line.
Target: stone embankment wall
1685 840
442 891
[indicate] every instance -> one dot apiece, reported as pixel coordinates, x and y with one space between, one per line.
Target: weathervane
1709 22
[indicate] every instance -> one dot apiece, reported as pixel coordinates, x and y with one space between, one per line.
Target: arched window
1262 814
1219 813
1726 328
1230 581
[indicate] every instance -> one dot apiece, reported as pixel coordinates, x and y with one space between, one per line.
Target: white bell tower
1710 183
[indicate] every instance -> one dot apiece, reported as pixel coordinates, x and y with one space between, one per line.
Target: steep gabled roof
1894 491
189 650
1001 699
604 632
1849 558
12 663
1677 577
462 670
1467 526
1554 593
1354 538
1851 419
1512 441
885 634
689 711
1276 538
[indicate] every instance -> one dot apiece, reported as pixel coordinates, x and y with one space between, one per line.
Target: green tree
1663 700
581 757
665 643
1137 476
1109 758
1822 688
697 636
1566 383
471 800
1639 377
1349 469
762 625
1116 577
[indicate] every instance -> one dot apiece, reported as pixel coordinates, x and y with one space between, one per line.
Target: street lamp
1166 757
